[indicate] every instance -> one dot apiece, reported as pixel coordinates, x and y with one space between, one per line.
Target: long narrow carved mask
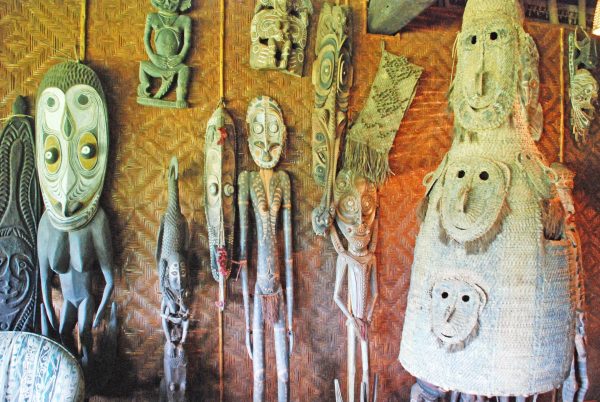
71 143
484 91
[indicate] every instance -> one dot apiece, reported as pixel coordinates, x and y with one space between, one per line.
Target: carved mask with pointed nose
355 201
266 131
71 143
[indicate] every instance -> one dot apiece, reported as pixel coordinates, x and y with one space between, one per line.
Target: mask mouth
70 208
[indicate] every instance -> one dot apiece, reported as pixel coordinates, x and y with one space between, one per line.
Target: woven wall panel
36 33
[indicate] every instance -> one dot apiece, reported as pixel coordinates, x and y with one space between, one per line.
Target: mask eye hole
484 176
466 298
473 40
494 35
87 151
445 295
52 154
83 100
461 174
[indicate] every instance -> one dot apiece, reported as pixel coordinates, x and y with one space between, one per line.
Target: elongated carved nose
463 200
449 313
66 185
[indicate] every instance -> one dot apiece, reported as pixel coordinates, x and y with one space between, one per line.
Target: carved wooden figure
332 79
74 234
279 35
20 210
269 193
583 88
219 194
355 200
170 32
171 253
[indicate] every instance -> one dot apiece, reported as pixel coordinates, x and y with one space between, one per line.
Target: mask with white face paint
71 143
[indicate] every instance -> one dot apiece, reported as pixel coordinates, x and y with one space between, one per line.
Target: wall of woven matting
36 34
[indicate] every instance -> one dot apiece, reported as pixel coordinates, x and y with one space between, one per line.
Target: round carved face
473 198
17 278
455 309
170 6
485 86
71 152
267 131
355 200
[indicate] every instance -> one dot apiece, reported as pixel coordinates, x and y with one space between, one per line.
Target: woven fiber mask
484 90
455 309
71 143
267 131
355 200
473 201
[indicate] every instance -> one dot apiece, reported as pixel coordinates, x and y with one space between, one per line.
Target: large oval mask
473 201
71 143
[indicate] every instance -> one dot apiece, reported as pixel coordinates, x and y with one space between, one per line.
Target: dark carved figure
74 235
269 193
171 252
20 210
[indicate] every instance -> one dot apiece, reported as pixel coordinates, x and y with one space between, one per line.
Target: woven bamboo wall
37 33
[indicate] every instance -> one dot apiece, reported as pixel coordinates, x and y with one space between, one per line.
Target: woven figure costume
491 308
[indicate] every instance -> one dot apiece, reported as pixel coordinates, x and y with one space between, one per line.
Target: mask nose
68 182
463 200
449 313
479 75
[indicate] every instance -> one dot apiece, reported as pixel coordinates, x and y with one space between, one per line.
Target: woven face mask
267 131
455 309
71 143
473 200
355 200
484 90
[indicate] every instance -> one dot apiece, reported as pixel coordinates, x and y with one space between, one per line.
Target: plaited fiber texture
144 139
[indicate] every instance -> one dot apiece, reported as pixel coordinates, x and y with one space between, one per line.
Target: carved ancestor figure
74 234
278 34
20 210
583 88
171 252
355 200
269 192
219 177
491 298
172 39
332 79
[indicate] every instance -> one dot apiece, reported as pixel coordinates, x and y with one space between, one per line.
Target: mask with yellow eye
71 143
355 200
266 131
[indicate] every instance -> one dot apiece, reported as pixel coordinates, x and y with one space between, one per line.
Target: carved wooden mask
267 131
19 215
355 200
455 308
71 143
332 77
473 201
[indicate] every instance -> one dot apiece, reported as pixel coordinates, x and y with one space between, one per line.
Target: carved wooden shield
19 215
219 179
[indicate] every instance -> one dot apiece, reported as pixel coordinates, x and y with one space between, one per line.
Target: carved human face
267 131
473 198
71 146
177 271
170 6
17 278
455 309
584 93
355 200
485 86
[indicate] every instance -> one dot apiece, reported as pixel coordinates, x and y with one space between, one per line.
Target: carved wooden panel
36 33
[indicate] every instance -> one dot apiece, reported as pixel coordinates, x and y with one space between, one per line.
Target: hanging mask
267 131
19 216
355 200
584 94
455 309
71 143
473 202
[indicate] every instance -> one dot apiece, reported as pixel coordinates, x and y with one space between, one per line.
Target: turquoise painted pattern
35 369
